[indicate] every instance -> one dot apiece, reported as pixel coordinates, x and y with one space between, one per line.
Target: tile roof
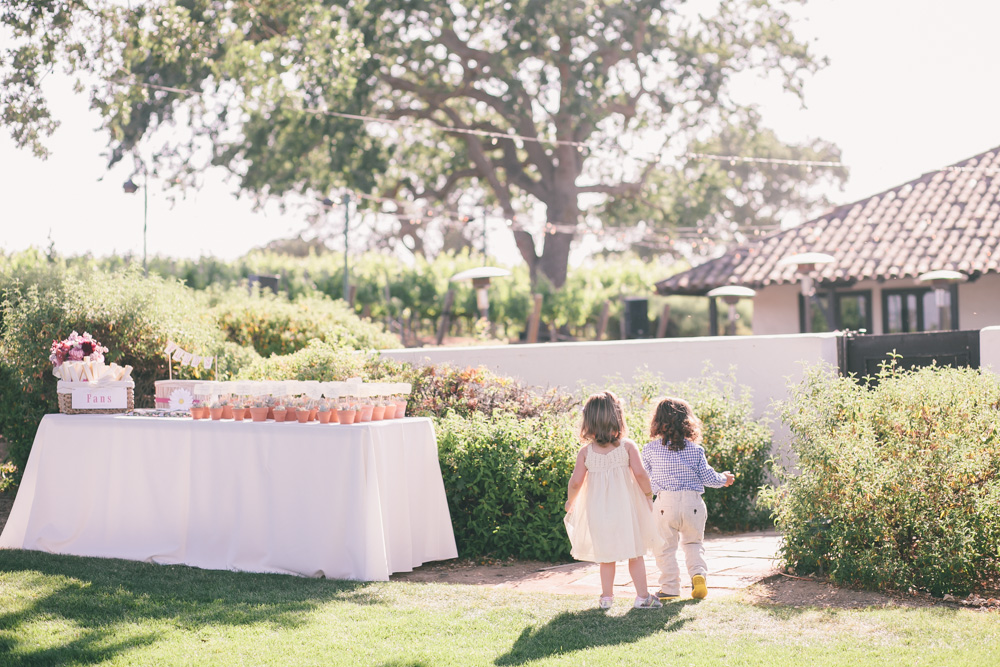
946 219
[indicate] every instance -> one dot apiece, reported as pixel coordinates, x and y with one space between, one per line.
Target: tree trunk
555 257
563 214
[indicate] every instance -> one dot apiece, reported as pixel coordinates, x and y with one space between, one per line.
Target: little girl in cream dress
609 514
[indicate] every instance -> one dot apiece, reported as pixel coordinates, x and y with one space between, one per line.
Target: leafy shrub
318 360
273 325
897 486
130 314
506 480
733 439
437 389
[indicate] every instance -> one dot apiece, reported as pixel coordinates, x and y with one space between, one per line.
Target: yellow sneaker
699 589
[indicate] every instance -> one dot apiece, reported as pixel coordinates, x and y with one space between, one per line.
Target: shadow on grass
91 649
787 598
575 631
106 599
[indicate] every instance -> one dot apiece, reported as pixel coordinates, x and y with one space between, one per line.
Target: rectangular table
354 501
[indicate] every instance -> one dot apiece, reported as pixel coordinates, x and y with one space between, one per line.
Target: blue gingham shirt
686 470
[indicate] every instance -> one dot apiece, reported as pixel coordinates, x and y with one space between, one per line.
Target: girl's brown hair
603 421
674 421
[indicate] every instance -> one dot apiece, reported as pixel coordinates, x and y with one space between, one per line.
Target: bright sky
912 86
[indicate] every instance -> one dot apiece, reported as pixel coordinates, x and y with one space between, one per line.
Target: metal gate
862 355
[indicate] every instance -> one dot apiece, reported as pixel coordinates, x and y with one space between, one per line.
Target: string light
733 159
551 228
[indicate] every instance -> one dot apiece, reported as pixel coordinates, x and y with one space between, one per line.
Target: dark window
853 311
919 309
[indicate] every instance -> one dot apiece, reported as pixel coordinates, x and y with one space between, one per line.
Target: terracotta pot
290 414
390 411
302 416
324 417
313 413
199 413
216 413
270 412
279 415
378 412
333 416
259 414
345 416
400 409
366 413
227 412
237 414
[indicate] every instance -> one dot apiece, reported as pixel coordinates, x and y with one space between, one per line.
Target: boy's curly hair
603 420
674 421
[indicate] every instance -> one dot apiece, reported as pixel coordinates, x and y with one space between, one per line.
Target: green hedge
274 325
439 389
133 316
506 483
895 486
316 361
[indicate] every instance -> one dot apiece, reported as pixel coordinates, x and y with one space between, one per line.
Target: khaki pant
680 518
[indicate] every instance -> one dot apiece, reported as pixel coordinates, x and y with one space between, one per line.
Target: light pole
940 281
347 222
328 204
480 278
130 188
730 295
805 265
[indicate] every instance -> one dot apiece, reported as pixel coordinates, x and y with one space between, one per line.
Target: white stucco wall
765 364
979 303
989 349
775 309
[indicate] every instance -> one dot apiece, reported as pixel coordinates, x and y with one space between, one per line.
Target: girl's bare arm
576 479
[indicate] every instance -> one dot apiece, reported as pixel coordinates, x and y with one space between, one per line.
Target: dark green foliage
896 486
503 473
316 361
439 389
133 316
273 325
506 482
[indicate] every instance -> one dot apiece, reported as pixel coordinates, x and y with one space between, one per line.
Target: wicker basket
66 405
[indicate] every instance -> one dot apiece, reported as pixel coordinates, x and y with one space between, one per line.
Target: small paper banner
186 359
196 360
207 362
171 346
178 354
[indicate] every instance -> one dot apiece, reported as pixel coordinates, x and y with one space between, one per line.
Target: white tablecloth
343 501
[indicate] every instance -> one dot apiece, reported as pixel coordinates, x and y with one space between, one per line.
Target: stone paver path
734 562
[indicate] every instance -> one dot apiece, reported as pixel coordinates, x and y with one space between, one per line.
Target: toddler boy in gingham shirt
679 478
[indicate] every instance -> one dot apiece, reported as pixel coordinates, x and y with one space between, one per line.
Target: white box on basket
103 395
100 399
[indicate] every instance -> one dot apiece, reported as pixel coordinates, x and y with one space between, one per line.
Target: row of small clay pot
365 413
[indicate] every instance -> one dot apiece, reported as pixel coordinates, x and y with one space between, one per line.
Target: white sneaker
606 602
649 602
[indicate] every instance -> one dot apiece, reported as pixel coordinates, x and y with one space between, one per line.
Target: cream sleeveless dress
611 519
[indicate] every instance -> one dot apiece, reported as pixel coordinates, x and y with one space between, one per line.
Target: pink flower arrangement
76 348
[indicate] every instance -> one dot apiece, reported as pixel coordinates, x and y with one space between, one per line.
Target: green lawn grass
61 610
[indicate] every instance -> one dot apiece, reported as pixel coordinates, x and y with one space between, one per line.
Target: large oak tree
571 107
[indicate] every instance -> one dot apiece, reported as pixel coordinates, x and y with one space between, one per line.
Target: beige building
878 250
